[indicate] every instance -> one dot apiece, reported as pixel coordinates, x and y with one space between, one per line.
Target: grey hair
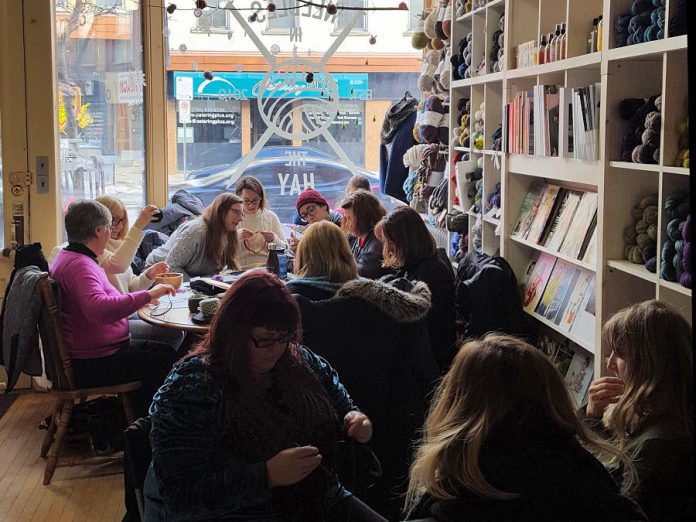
83 218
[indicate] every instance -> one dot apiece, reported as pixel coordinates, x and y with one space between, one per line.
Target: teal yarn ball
679 245
673 229
668 251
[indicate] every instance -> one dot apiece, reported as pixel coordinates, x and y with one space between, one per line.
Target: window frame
211 10
356 31
294 15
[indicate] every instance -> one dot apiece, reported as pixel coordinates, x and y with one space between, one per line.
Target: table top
172 312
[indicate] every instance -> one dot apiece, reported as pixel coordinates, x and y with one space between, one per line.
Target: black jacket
441 317
375 337
555 478
369 258
184 206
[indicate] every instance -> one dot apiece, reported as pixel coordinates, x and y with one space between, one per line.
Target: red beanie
310 196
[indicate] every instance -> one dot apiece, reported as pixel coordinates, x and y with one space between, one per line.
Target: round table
176 316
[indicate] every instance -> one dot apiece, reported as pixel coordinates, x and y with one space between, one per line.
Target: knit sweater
392 171
125 281
186 251
94 313
266 221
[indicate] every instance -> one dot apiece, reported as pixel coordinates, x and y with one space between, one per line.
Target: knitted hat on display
447 21
429 129
429 25
310 196
419 40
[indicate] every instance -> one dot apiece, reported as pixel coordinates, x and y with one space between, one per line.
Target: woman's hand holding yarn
269 237
292 465
603 392
145 217
158 291
157 269
358 426
245 233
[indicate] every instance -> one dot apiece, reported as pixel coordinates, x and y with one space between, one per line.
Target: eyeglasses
240 213
310 211
251 201
267 343
116 221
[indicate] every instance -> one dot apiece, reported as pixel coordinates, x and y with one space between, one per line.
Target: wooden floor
79 493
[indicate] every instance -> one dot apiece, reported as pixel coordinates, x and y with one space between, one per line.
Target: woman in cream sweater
260 225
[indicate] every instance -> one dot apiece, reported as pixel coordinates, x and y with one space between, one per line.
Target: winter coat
20 339
376 338
184 206
554 476
313 288
392 171
369 258
151 240
441 317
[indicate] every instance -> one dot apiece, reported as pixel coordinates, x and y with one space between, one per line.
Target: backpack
487 298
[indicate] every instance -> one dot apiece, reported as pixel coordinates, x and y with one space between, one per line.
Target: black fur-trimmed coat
376 337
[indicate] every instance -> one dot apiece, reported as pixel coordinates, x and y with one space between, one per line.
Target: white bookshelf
639 70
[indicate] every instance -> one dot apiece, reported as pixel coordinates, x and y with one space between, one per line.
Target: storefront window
214 17
414 15
2 204
99 62
344 16
283 18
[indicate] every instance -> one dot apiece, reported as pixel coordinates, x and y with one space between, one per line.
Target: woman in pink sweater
95 314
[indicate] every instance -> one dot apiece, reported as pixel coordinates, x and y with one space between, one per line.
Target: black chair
138 455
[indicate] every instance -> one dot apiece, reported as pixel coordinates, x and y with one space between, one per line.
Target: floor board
76 493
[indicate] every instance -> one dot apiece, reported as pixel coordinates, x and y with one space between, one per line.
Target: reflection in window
283 18
99 61
344 16
415 10
213 17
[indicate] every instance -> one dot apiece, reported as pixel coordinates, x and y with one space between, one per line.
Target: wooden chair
59 371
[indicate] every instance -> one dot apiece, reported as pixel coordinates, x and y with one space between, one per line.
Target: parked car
284 172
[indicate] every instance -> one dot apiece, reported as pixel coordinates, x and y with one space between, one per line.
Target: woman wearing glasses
205 245
312 207
260 225
244 427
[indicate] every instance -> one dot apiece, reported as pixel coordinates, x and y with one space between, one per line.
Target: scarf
396 115
320 283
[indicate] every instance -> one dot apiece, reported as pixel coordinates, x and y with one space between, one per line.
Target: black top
80 248
369 258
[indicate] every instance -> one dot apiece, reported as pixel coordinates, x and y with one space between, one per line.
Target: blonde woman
260 225
323 262
205 245
647 405
502 442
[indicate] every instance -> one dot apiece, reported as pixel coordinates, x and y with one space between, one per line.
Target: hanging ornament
373 39
208 75
183 48
322 92
171 8
201 4
310 77
229 34
374 119
198 13
331 9
403 6
275 49
271 7
253 17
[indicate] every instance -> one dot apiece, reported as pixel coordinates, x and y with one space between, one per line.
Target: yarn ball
686 230
652 232
667 272
429 25
630 235
650 215
635 255
419 41
651 264
642 227
436 44
673 229
650 137
656 156
627 251
685 280
679 245
431 119
649 201
658 102
686 258
653 121
640 6
637 213
643 241
672 203
650 251
668 250
643 154
676 263
629 107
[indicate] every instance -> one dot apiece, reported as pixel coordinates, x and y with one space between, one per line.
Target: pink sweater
95 314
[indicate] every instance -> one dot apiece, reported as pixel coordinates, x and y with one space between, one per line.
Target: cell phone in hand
157 216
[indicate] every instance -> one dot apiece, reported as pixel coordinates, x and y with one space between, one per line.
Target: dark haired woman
410 249
244 428
361 212
205 245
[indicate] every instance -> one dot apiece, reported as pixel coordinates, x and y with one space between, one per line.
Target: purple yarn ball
686 230
685 280
686 257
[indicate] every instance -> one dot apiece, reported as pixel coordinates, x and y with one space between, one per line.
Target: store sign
238 86
184 111
184 88
124 87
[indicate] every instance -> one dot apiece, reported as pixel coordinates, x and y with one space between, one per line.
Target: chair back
56 357
138 455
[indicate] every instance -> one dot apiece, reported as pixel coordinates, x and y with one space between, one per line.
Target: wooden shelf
491 220
562 169
458 207
648 50
629 165
684 171
633 269
586 61
676 287
478 80
553 253
462 149
574 338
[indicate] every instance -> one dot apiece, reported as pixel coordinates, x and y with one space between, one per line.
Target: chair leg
127 407
48 438
63 421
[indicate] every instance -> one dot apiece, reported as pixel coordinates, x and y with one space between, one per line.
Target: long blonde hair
221 245
495 378
114 204
655 342
323 251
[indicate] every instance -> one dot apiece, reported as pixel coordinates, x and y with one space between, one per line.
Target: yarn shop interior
345 260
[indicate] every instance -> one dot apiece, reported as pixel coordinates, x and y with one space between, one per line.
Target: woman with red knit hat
312 207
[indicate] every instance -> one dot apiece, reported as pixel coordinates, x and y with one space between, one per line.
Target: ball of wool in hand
648 201
643 240
642 227
650 251
637 213
650 137
652 232
651 264
635 255
686 230
650 215
673 229
653 121
630 235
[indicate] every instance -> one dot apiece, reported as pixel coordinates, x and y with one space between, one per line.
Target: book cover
563 219
579 225
584 324
588 236
562 297
579 376
528 272
555 213
590 255
576 299
552 117
564 357
537 281
554 285
536 229
534 193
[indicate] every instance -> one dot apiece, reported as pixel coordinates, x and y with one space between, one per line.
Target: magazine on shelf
584 324
528 209
564 357
590 255
562 296
557 284
588 236
579 376
536 282
538 226
579 226
562 219
577 297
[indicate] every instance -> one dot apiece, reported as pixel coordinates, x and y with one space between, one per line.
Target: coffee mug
194 301
209 307
169 278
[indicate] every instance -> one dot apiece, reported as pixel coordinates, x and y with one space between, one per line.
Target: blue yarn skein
640 6
651 264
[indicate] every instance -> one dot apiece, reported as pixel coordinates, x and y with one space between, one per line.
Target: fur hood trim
404 307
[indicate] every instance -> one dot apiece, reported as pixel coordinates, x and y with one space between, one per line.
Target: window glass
99 62
282 17
344 16
2 203
414 14
214 17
